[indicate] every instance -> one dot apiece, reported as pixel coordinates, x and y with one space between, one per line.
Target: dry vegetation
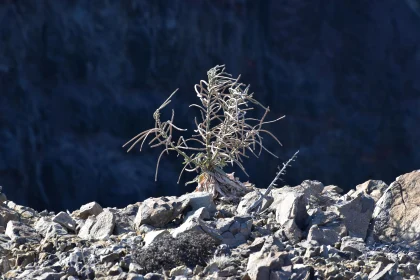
224 134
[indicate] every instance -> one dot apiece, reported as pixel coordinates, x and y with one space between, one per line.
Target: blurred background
80 78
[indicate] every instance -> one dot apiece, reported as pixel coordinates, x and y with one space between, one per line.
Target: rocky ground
309 231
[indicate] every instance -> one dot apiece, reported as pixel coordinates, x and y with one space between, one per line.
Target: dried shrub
224 135
188 249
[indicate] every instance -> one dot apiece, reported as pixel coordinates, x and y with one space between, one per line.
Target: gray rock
23 211
292 231
180 271
65 220
124 223
223 224
332 189
24 259
198 200
154 276
396 217
50 276
135 268
85 229
111 257
54 229
7 215
320 218
290 202
158 212
154 235
261 264
280 275
145 229
196 224
133 276
92 208
302 271
202 213
328 234
103 226
19 231
354 245
383 272
356 215
42 225
247 201
272 243
5 265
372 188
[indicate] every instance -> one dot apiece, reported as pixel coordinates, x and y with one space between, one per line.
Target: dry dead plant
224 134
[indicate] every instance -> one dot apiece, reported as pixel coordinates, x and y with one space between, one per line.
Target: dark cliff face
80 78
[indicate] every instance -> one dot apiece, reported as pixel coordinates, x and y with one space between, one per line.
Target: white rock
92 208
65 220
154 235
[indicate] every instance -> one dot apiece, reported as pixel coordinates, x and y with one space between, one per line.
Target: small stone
17 230
92 208
84 231
198 200
50 276
7 215
160 211
101 228
5 265
143 229
109 257
65 220
135 268
332 188
23 260
154 276
357 214
354 245
133 276
115 270
332 270
154 235
198 269
180 271
87 273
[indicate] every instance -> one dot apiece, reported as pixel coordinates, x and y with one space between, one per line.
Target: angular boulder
92 208
65 220
198 200
291 202
7 215
48 228
99 227
18 231
372 188
248 200
160 211
154 235
195 224
261 264
353 245
396 217
327 234
356 214
234 231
